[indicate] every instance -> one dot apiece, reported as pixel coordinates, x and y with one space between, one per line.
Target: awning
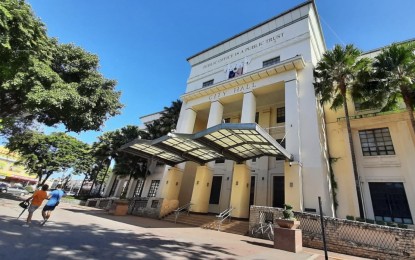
237 142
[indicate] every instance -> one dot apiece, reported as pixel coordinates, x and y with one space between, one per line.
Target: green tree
108 145
392 80
336 74
44 155
47 82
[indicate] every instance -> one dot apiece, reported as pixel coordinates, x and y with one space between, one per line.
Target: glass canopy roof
238 142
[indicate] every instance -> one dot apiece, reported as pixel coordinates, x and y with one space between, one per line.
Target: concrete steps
210 222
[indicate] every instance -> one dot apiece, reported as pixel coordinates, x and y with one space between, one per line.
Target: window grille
271 62
281 115
153 188
207 83
138 188
376 142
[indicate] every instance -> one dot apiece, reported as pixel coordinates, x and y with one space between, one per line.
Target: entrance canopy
237 142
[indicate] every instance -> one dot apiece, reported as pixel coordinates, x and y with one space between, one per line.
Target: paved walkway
76 232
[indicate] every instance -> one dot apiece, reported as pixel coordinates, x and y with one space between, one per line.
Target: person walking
54 199
37 199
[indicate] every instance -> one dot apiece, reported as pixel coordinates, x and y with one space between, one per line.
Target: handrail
224 215
185 207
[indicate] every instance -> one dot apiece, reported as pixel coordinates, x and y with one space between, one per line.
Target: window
221 160
281 115
227 120
207 83
271 62
376 142
389 202
257 117
153 188
138 188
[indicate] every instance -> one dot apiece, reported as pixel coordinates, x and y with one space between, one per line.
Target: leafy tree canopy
44 155
44 81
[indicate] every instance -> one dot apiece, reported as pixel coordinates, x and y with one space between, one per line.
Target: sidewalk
77 232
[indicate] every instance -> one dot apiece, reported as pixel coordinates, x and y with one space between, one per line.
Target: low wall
348 237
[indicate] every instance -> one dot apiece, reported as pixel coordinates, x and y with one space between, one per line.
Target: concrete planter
287 223
287 236
119 208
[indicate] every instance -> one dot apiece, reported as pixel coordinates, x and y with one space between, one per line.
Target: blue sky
144 44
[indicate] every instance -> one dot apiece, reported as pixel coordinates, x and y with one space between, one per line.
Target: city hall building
252 132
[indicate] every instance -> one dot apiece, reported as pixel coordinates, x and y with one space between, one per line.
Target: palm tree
167 121
170 115
393 79
335 75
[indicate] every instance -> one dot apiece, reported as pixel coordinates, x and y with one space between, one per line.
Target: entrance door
215 191
278 194
252 191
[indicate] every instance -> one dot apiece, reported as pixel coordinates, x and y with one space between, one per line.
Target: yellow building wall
389 168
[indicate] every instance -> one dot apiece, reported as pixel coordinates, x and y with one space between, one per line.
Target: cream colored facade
248 78
265 75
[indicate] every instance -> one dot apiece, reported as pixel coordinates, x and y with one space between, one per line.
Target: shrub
360 219
402 226
381 222
287 212
371 221
350 218
392 224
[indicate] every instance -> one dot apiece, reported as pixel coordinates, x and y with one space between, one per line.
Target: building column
293 171
186 122
241 183
248 108
108 187
202 189
215 114
172 183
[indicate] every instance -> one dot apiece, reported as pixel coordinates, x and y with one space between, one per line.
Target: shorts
32 208
48 208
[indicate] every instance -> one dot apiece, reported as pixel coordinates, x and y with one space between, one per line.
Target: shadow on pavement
67 241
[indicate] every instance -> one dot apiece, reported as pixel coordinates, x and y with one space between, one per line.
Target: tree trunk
82 185
353 156
409 109
105 175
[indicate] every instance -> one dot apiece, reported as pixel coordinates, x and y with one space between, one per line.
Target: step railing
183 208
226 214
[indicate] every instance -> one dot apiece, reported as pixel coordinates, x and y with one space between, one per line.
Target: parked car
17 190
3 187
